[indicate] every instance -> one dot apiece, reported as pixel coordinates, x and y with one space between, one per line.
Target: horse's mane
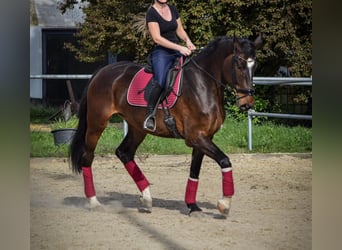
212 46
246 47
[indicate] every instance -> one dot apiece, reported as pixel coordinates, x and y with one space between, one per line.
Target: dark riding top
167 28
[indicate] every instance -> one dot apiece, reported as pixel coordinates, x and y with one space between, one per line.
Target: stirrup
150 123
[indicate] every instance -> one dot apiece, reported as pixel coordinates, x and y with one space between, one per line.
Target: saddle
142 83
170 79
140 88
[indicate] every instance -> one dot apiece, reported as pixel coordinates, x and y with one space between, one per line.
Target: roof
49 15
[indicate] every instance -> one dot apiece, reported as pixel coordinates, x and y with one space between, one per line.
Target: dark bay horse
198 113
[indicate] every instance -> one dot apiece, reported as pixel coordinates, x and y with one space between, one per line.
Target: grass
41 115
231 138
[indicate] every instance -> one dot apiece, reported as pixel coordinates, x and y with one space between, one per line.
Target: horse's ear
259 41
235 41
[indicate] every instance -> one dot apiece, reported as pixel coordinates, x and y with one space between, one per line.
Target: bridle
250 63
246 91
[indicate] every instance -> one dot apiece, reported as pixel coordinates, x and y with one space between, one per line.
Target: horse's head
239 70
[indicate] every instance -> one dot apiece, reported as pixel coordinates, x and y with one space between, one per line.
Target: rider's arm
154 30
181 33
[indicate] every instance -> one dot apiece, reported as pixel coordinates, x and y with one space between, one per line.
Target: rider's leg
162 60
153 101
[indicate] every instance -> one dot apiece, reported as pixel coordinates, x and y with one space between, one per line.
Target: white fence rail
252 113
281 81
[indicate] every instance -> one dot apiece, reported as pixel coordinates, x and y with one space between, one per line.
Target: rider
165 27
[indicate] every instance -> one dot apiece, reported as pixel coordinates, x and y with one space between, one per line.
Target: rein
247 92
210 75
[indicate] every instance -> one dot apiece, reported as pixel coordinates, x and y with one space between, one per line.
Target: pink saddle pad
135 95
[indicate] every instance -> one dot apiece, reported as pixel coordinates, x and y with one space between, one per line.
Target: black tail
77 147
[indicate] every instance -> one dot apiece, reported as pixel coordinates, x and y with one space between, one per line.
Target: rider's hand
185 51
190 45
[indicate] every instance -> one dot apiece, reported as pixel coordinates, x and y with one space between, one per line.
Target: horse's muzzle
246 106
246 103
245 99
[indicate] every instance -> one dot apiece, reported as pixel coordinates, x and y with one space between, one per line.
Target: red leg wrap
89 189
227 183
138 177
191 191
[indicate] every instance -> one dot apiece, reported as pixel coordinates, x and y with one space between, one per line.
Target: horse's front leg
210 149
224 204
193 180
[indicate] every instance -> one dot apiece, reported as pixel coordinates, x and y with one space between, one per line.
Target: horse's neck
205 78
211 69
209 77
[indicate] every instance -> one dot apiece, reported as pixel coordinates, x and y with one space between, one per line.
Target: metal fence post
250 118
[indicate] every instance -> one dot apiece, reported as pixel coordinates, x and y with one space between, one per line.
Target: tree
117 26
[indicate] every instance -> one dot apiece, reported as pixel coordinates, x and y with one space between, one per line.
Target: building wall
36 85
48 17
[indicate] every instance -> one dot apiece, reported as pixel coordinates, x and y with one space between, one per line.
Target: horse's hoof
223 205
95 205
146 205
98 209
197 214
194 210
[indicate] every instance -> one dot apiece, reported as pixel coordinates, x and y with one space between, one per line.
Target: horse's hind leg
125 153
95 127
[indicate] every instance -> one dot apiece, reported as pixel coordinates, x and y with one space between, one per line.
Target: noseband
246 92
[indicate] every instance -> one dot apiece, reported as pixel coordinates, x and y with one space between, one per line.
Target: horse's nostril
245 107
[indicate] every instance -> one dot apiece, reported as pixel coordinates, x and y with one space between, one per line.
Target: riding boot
153 101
